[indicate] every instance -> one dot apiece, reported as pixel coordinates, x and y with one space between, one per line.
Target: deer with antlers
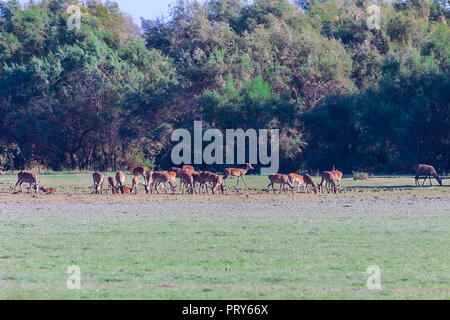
27 177
237 173
282 180
428 171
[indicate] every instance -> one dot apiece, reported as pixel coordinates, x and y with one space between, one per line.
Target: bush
360 175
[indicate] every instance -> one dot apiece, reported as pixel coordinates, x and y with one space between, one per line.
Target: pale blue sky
148 9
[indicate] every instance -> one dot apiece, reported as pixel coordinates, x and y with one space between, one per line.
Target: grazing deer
149 182
126 190
27 177
213 180
98 178
111 185
329 180
428 172
282 180
338 176
239 173
187 180
140 171
308 180
134 185
296 178
120 178
164 178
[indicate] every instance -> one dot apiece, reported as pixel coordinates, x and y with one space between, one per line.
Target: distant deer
120 178
149 182
239 173
111 185
134 185
189 168
48 190
164 178
329 180
282 180
212 179
187 180
428 172
98 178
297 179
337 176
140 171
27 177
308 180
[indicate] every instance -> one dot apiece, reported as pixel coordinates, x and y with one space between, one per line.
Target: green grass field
244 245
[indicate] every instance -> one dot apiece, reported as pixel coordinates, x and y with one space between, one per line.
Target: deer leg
245 182
237 184
425 180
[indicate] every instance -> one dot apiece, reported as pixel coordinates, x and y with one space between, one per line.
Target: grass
249 245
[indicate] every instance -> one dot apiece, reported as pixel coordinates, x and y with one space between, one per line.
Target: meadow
243 245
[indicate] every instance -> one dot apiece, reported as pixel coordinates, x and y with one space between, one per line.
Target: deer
134 185
98 178
111 185
27 177
126 190
282 180
308 180
428 171
189 168
164 178
213 179
329 179
337 176
140 171
120 178
187 180
149 182
296 178
239 173
48 191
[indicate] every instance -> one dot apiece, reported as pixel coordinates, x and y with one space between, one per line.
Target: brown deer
140 171
48 191
329 180
337 176
282 180
237 173
213 180
164 178
187 180
98 178
189 168
428 171
296 178
120 179
149 182
134 185
27 177
308 180
126 190
111 185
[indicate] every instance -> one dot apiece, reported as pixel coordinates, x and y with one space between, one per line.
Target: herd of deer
190 180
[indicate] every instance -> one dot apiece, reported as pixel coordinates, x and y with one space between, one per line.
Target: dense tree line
108 96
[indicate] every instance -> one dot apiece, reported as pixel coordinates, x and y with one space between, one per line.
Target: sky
148 9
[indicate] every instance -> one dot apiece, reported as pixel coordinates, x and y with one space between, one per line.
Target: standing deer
296 178
282 180
120 178
111 185
134 185
308 180
239 173
99 178
428 171
164 178
329 180
337 176
140 171
149 182
27 177
187 180
214 180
